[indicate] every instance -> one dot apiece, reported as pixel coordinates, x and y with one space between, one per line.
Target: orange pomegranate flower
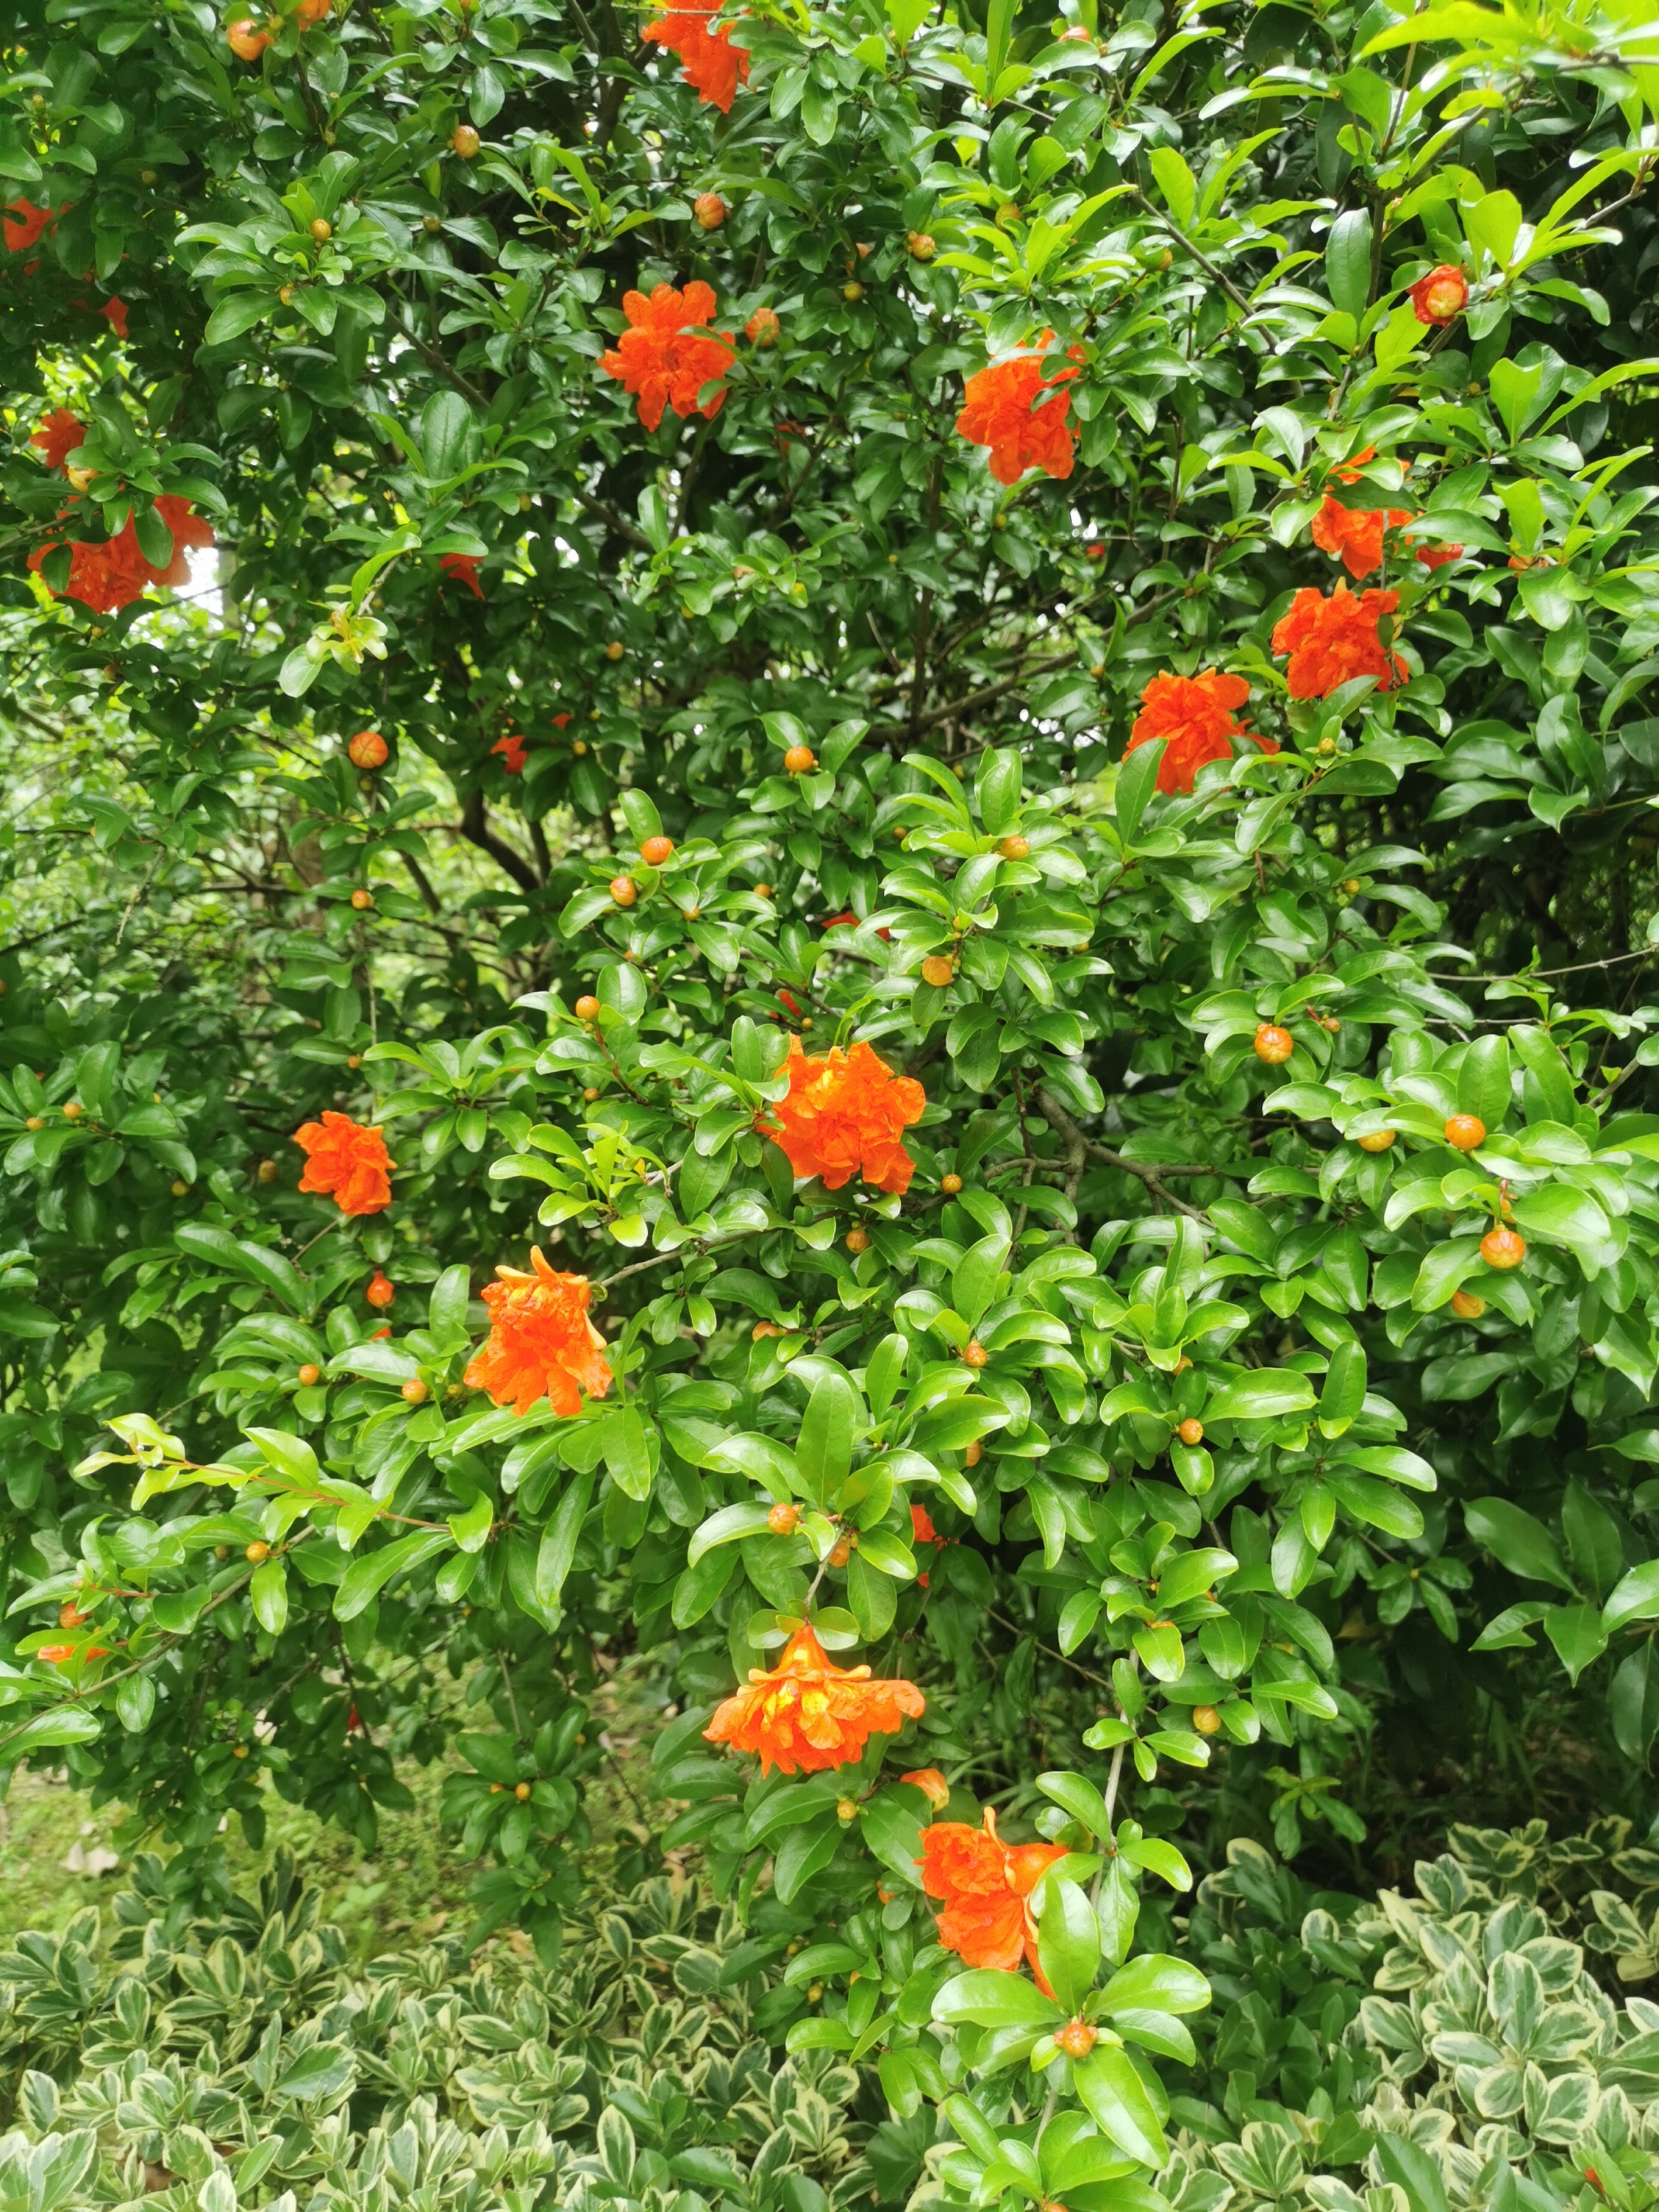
998 412
922 1530
1332 641
984 1884
541 1342
1354 535
664 359
461 568
347 1162
1193 714
1440 297
1435 556
714 67
805 1714
58 436
511 748
115 313
22 224
109 577
846 1114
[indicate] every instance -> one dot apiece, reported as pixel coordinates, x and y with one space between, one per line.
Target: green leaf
1262 1395
557 1552
1348 263
1483 1081
1116 2100
990 1998
726 1527
323 2072
267 1593
1068 1942
1561 1215
1636 1597
1344 1393
1515 1541
823 1449
470 1528
1155 1983
1579 1639
370 1572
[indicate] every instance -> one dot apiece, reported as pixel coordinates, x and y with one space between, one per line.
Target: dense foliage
961 702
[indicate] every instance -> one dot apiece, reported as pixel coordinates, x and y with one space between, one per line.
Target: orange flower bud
1465 1132
1014 849
246 40
933 1785
800 760
974 1453
975 1354
624 889
1273 1044
708 210
1502 1248
74 1111
843 1551
950 1184
368 750
1191 1432
256 1550
1077 2038
784 1519
938 970
1206 1720
762 328
310 1375
1466 1306
521 1791
656 850
919 245
588 1008
1379 1141
321 230
362 901
414 1392
1440 296
852 292
380 1292
466 141
857 1240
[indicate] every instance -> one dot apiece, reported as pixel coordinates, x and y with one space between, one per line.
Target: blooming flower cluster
845 1114
806 1714
665 358
110 576
1003 409
1193 716
346 1162
713 66
1354 535
541 1342
1332 641
985 1886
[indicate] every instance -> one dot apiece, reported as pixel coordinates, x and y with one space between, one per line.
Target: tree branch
1069 1134
475 828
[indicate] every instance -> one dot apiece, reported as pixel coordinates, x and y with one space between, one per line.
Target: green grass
413 1884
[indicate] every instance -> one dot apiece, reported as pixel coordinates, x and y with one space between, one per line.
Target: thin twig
1067 1130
